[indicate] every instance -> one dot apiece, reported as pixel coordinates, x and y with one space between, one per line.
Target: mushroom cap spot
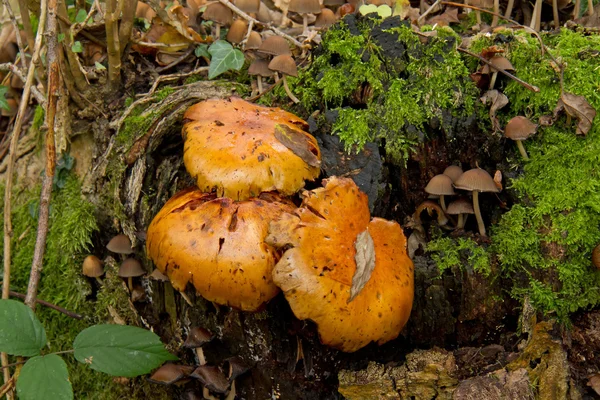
596 256
316 272
231 147
92 267
285 64
120 244
237 31
247 6
440 185
497 61
260 67
454 172
275 46
460 206
218 13
217 245
198 337
519 128
170 373
254 41
131 268
476 179
212 378
305 6
325 19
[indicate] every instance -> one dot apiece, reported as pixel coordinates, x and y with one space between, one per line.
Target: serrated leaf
77 47
120 350
80 17
21 333
365 263
44 377
224 58
202 51
3 102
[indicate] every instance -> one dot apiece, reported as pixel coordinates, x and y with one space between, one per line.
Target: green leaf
80 17
61 37
99 66
77 47
224 58
3 102
21 333
44 377
120 350
202 51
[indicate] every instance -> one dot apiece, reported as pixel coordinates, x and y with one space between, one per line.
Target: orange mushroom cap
319 273
241 149
217 245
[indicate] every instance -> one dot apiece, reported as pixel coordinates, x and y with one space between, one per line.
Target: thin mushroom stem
130 284
231 394
509 8
537 16
496 11
461 221
200 354
305 24
259 82
217 31
493 80
443 203
478 213
288 91
590 10
206 394
478 17
555 13
522 149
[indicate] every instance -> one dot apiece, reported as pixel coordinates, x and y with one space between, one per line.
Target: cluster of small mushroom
475 180
8 54
130 268
212 378
239 238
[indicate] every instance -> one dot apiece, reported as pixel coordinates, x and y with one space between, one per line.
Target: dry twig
15 24
112 44
39 96
49 305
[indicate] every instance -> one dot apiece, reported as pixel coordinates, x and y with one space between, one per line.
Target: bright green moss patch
456 254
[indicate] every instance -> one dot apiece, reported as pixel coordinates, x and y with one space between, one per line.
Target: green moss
456 254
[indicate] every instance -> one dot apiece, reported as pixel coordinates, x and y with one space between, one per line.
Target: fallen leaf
594 383
405 11
497 100
498 179
546 120
297 143
491 51
577 107
365 263
449 16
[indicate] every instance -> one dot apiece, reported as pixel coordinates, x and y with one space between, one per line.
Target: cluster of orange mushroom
475 180
239 238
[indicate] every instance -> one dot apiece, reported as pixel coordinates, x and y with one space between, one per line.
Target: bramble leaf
21 333
44 377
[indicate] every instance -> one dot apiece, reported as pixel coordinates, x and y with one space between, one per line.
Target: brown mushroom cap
325 19
217 245
519 128
241 149
218 13
170 373
120 244
476 179
497 61
260 67
454 172
13 108
212 378
237 31
275 46
462 205
254 41
305 6
318 273
440 185
236 367
333 3
284 64
198 337
92 267
247 6
131 268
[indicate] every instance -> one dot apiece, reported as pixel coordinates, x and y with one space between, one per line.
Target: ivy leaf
3 102
21 333
44 377
120 350
77 47
80 17
202 51
224 58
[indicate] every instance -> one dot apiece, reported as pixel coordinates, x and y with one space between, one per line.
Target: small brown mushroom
596 256
220 15
248 6
496 61
305 7
440 185
519 129
197 338
131 268
287 66
260 69
461 207
454 172
212 379
237 31
477 180
93 268
275 46
237 367
120 244
254 41
325 19
170 373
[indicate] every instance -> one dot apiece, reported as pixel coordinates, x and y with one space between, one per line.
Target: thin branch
126 25
15 24
26 23
72 59
39 96
112 44
83 32
54 85
176 61
427 12
248 18
163 78
49 305
502 71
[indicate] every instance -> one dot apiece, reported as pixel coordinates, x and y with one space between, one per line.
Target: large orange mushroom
348 273
240 149
218 245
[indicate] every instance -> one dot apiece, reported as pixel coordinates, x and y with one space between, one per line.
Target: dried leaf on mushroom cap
217 245
317 271
231 147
